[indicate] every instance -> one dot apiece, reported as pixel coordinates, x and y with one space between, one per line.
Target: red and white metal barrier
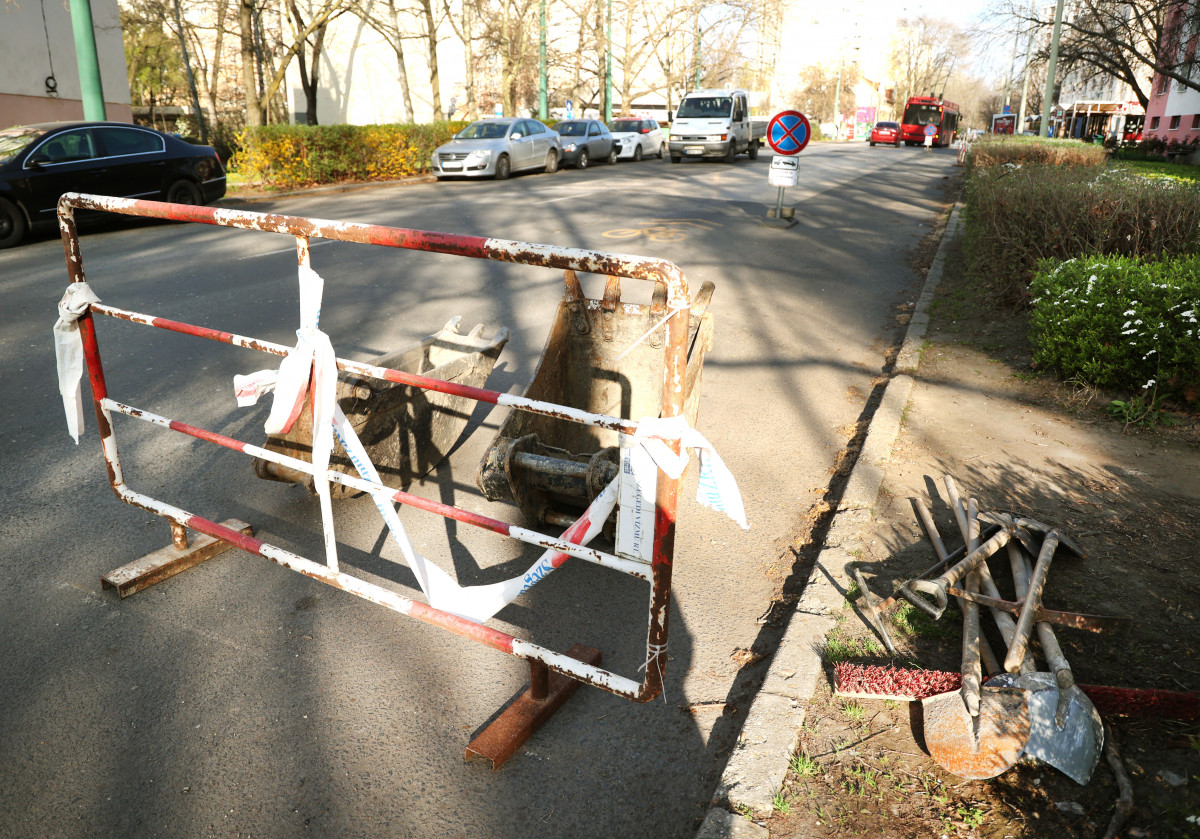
657 572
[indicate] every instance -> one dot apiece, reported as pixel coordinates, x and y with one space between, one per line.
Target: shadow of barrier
533 460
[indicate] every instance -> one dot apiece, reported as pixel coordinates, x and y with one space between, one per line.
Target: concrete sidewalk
759 762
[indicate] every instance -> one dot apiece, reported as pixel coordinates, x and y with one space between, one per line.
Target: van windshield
705 106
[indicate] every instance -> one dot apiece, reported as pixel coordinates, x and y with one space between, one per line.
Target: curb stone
758 764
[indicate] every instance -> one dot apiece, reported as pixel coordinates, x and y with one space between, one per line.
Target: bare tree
308 59
923 56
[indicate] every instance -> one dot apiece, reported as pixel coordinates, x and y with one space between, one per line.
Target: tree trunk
191 78
254 113
431 37
398 46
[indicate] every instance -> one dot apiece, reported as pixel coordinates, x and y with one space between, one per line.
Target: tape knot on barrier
717 489
68 352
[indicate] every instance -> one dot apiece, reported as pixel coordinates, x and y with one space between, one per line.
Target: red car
886 132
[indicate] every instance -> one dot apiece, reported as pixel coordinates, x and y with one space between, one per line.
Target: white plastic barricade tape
717 488
638 479
68 353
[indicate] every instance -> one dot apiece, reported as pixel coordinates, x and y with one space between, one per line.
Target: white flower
1129 314
1129 331
1148 385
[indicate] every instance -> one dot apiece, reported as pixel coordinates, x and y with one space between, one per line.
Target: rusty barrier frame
541 659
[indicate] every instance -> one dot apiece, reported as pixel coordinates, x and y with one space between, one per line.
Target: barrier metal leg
546 694
169 561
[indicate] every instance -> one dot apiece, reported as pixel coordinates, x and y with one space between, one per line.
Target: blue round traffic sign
788 132
930 130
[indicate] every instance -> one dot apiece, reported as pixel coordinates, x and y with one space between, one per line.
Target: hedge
1120 323
1021 214
290 156
997 150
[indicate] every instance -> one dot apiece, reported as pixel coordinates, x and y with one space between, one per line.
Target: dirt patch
1131 497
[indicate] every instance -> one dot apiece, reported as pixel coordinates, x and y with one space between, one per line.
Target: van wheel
12 224
752 152
731 152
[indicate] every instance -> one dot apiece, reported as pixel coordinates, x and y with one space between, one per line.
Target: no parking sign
788 132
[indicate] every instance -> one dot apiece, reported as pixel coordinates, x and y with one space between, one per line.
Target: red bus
929 110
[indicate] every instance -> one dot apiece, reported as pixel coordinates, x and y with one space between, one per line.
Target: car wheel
503 167
637 152
12 224
184 192
582 162
660 151
872 144
551 163
611 160
677 158
731 152
752 152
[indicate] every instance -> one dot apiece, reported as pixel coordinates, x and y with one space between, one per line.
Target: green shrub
1019 215
997 150
1120 323
290 156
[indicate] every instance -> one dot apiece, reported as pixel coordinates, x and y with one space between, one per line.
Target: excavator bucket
406 430
603 356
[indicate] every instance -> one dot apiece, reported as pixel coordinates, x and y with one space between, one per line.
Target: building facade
1173 113
39 75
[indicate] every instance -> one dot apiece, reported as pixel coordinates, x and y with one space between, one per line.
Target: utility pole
608 66
1048 96
88 60
696 52
1025 83
837 103
543 106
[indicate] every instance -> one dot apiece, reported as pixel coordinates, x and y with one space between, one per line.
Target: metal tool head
1074 748
979 747
872 611
1030 532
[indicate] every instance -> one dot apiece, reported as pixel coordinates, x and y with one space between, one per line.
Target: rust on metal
170 560
677 398
1075 620
546 694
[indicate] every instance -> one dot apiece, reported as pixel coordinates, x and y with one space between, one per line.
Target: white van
715 123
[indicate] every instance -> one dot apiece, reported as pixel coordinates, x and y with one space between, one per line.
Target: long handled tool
976 732
1065 730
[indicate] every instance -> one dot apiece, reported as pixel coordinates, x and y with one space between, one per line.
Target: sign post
930 130
788 133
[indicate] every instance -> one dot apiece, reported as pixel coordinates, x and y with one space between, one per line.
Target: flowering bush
1120 323
290 156
1020 214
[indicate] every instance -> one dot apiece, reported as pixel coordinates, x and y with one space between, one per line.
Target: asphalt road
242 699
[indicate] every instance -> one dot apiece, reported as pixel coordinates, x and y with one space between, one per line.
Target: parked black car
38 163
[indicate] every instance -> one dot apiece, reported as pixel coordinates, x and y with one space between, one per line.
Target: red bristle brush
868 681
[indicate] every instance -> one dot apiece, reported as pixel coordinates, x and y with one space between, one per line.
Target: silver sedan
495 148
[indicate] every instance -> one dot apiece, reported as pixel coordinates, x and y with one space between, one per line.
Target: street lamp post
608 65
543 105
1048 95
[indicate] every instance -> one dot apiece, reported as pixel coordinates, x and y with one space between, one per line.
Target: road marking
662 229
567 197
288 250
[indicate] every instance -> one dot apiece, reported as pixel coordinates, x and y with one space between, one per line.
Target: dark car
585 140
38 163
886 132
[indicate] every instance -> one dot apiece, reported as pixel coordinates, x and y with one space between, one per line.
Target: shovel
976 732
1065 730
